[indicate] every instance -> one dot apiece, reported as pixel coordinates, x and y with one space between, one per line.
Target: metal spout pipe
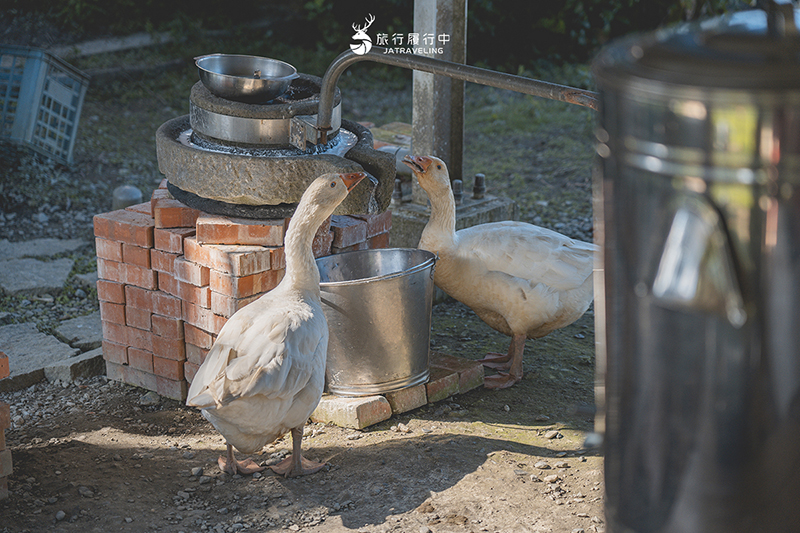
457 71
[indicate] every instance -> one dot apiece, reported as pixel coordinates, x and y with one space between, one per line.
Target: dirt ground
496 461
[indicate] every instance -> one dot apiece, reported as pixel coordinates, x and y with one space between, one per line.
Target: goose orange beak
418 163
351 180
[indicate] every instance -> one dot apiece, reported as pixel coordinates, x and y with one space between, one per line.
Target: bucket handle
696 270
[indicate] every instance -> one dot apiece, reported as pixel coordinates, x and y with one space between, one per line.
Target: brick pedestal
171 276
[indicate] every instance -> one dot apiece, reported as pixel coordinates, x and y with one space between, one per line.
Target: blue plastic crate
41 97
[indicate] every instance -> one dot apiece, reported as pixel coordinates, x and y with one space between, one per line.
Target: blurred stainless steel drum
698 214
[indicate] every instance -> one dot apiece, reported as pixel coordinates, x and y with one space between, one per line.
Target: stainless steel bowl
245 78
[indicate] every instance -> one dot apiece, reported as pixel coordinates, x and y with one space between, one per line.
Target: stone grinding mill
248 146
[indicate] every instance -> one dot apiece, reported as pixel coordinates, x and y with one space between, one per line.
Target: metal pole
458 71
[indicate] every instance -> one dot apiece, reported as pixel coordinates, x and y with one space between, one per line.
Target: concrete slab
31 276
356 413
29 352
38 248
80 366
83 332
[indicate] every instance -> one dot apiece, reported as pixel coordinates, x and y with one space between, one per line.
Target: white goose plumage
522 280
265 374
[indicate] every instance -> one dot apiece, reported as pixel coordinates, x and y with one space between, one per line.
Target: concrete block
29 351
356 413
81 366
470 373
31 276
442 384
407 399
38 248
83 332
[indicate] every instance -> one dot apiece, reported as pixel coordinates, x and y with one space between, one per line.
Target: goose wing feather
528 252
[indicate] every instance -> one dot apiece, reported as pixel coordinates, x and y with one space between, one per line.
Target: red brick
162 261
168 368
163 184
189 370
125 226
167 283
139 338
140 208
111 250
169 348
347 231
110 291
442 383
5 417
195 354
161 193
164 326
215 229
321 245
4 368
470 373
355 413
171 239
171 213
197 295
235 260
2 447
190 272
137 318
166 305
203 318
116 333
136 255
140 359
197 337
359 246
111 312
116 353
244 286
111 270
139 298
170 388
226 306
405 400
376 224
278 257
141 277
380 240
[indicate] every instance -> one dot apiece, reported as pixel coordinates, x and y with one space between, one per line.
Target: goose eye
333 184
439 167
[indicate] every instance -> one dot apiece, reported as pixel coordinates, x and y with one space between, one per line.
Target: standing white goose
265 373
522 280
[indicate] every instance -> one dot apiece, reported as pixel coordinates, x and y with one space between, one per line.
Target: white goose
522 280
265 373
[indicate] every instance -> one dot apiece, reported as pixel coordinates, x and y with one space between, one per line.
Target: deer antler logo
361 43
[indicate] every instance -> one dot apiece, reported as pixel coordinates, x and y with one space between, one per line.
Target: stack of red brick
5 423
171 276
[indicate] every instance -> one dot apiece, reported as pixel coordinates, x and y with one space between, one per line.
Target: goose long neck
443 214
301 267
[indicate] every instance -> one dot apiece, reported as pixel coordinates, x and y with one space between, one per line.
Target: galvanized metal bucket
378 305
699 175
